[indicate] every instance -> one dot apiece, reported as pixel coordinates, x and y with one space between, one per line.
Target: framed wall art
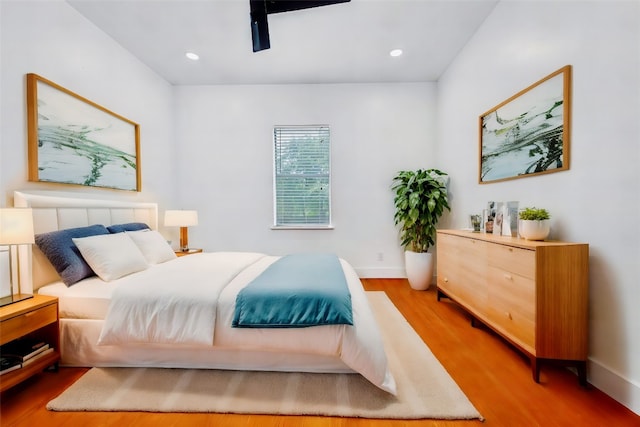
529 133
75 141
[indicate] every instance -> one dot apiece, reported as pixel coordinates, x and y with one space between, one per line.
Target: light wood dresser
534 294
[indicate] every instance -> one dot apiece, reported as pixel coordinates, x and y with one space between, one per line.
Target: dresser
532 293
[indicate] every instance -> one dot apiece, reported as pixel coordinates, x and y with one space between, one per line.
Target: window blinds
302 176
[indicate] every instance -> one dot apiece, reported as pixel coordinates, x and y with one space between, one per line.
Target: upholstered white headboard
57 211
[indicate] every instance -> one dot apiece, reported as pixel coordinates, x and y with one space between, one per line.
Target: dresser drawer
464 289
461 266
463 247
515 260
18 326
511 306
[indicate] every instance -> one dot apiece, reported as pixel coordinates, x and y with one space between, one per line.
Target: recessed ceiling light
396 52
192 56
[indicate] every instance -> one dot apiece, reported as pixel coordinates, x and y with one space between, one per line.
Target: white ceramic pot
419 268
534 229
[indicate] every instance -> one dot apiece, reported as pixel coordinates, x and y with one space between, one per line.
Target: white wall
225 159
218 153
51 39
598 200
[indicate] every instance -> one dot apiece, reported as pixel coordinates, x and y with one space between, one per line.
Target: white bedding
88 299
144 307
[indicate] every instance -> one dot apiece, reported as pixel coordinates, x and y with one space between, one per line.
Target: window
301 177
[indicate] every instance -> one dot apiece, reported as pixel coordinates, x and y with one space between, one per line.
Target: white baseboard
381 273
385 273
612 383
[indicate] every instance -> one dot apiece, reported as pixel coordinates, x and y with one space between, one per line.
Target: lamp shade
16 226
180 218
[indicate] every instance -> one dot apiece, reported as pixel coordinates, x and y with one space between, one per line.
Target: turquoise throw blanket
296 291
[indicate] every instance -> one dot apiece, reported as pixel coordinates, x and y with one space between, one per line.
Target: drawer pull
446 280
508 315
508 276
31 313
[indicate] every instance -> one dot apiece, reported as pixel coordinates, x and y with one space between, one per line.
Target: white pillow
152 245
111 256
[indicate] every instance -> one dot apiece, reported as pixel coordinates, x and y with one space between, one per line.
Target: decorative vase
419 268
534 229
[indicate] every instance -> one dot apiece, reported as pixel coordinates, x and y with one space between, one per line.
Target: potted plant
534 223
420 200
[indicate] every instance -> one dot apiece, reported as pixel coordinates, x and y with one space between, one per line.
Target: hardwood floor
495 377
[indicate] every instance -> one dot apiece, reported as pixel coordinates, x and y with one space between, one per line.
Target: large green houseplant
420 200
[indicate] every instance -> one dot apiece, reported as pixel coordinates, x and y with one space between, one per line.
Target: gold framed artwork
75 141
529 133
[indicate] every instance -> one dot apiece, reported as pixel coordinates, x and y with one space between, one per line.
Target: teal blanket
296 291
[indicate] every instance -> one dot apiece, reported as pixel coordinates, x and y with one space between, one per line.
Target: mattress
87 299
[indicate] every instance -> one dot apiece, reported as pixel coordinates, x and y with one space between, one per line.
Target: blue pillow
64 254
131 226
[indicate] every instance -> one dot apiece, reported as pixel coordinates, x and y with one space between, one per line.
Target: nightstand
189 252
35 317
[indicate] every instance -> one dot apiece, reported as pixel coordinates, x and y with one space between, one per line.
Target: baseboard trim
612 383
381 273
385 273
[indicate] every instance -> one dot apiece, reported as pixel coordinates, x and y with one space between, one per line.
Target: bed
98 317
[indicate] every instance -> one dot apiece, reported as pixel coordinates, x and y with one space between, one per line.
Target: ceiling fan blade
261 8
259 26
277 6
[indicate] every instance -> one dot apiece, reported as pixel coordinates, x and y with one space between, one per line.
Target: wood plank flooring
495 377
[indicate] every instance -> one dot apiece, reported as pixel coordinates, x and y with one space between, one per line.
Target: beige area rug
425 389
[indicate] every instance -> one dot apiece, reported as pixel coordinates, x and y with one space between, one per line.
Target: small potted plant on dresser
534 223
420 200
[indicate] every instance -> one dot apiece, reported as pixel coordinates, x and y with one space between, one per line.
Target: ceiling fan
261 8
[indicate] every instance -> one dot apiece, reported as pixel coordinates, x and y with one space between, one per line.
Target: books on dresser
21 352
37 356
9 363
23 348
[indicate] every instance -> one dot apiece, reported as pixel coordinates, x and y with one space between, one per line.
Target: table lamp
16 228
182 219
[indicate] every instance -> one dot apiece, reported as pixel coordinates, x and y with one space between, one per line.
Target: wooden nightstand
189 252
35 317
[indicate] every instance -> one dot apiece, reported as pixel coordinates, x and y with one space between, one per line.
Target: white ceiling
342 43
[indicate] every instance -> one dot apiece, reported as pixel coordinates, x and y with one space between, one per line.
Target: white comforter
190 302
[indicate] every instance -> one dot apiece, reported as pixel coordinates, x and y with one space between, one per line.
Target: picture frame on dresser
73 140
529 133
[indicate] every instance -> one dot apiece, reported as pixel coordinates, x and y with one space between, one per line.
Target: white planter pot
419 268
534 229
